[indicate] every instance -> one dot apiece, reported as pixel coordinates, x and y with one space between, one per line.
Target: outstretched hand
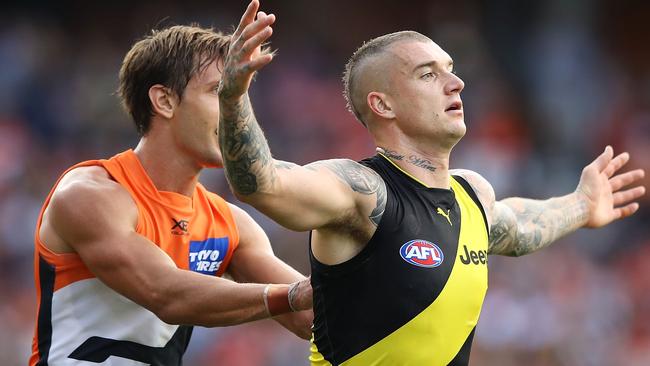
602 187
245 56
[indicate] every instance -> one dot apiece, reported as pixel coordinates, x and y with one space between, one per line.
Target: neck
430 168
168 169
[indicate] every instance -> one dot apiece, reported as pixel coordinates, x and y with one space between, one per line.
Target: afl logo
421 253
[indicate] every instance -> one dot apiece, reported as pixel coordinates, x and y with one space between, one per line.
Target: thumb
603 159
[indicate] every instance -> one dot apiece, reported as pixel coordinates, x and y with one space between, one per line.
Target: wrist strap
276 299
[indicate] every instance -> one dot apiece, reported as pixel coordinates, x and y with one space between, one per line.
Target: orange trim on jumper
168 219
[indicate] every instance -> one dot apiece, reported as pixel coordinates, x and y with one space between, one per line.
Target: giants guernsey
413 295
83 322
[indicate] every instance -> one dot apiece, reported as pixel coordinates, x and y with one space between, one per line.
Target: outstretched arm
520 226
133 266
300 198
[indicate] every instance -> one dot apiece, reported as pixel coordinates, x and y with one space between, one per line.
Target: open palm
603 190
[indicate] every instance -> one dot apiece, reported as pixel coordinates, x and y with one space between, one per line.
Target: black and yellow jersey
413 295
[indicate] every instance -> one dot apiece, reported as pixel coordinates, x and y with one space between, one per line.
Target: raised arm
300 198
96 218
519 226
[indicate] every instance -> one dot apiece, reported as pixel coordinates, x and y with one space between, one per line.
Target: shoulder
250 232
85 185
245 223
483 189
358 176
87 199
241 217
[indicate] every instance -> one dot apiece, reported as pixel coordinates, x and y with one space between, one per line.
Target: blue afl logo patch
422 253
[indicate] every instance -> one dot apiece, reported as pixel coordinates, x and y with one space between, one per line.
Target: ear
380 105
163 101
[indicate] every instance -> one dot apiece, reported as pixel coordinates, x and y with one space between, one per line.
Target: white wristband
266 299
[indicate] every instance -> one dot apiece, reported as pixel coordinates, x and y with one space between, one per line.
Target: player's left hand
602 188
301 295
245 56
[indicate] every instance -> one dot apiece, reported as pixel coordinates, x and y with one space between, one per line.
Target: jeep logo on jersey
422 253
206 256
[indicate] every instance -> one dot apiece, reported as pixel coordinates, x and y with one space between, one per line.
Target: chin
459 128
213 160
216 163
455 134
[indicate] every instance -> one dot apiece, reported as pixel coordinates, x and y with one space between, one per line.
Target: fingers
260 33
628 195
247 18
252 37
625 211
262 22
626 179
616 164
259 62
603 160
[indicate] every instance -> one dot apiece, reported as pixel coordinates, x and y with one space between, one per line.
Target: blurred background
548 85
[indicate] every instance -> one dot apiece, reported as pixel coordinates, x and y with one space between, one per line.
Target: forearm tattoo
361 180
246 154
521 226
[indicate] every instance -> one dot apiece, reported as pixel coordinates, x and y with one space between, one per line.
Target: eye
428 75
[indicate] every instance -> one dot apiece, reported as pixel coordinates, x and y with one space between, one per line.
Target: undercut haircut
170 57
367 51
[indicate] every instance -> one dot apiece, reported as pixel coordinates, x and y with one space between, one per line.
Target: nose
454 85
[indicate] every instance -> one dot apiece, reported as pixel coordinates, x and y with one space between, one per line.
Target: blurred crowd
548 85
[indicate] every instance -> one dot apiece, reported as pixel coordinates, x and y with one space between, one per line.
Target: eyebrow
432 64
213 83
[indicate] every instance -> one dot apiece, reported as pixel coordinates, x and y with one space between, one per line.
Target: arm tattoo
362 180
521 226
245 152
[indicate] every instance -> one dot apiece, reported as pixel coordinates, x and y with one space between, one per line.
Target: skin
181 142
406 111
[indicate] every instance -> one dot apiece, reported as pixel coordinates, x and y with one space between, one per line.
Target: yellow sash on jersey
435 336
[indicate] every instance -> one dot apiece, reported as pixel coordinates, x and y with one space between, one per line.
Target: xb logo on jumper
206 256
421 253
180 227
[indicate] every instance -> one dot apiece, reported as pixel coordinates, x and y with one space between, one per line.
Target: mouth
455 106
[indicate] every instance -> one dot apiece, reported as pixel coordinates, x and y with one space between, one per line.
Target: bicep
108 245
313 196
503 230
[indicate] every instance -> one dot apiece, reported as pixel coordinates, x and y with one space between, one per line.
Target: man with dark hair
130 250
399 241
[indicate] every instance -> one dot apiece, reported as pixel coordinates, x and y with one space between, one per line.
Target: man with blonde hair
399 242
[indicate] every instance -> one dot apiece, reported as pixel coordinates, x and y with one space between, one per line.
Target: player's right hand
245 56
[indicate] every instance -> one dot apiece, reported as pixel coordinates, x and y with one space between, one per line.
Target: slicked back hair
170 57
368 50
